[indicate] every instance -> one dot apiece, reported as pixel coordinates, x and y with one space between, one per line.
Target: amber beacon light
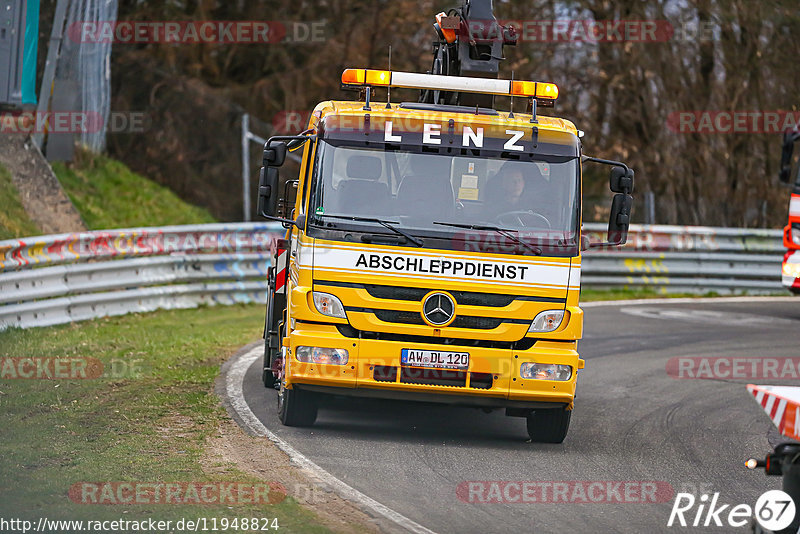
411 80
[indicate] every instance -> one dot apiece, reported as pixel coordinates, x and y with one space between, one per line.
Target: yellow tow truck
433 248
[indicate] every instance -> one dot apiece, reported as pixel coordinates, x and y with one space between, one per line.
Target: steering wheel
519 218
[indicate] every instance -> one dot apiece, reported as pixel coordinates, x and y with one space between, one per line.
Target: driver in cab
509 190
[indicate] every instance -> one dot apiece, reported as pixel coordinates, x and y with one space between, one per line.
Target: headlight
328 304
547 321
796 234
322 355
545 371
792 270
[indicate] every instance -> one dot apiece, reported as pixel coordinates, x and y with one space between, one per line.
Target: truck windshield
534 201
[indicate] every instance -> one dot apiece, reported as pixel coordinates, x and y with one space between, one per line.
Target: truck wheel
548 426
296 407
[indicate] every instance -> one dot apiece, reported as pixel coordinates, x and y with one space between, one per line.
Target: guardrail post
246 167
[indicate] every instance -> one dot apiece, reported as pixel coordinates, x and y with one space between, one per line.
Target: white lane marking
708 316
684 300
233 388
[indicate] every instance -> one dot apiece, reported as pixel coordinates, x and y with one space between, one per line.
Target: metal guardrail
687 259
57 279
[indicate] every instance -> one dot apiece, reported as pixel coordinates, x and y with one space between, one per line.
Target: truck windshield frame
413 185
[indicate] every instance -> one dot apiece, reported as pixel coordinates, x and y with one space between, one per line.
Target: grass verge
109 195
14 221
147 419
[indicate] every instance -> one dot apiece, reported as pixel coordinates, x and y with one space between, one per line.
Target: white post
246 167
650 207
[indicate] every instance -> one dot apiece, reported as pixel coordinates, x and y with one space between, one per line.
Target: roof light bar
411 80
354 76
379 77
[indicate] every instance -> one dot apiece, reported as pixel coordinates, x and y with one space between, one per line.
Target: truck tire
296 407
549 425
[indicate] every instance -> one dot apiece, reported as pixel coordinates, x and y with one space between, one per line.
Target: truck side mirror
274 154
268 191
620 219
621 180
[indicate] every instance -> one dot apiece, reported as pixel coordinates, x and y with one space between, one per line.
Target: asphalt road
632 422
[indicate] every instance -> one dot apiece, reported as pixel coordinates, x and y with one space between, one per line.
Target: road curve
632 422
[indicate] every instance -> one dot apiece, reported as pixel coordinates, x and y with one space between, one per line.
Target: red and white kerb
782 404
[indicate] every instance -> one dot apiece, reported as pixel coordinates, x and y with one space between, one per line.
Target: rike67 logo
774 510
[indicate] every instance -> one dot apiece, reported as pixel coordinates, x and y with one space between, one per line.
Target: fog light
328 304
322 355
792 270
547 321
545 371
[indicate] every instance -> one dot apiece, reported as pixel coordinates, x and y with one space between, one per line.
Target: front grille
432 377
465 298
395 293
523 344
461 321
404 317
385 373
481 380
468 298
476 323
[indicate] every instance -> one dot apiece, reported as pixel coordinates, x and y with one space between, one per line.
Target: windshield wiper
502 231
386 224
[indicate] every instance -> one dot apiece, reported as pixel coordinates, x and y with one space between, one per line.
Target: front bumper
374 370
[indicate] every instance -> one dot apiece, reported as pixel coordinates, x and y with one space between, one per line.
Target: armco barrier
57 279
687 259
51 280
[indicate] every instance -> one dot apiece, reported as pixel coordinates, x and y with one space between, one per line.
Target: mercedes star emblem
439 309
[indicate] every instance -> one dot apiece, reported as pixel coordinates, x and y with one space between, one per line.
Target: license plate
435 358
